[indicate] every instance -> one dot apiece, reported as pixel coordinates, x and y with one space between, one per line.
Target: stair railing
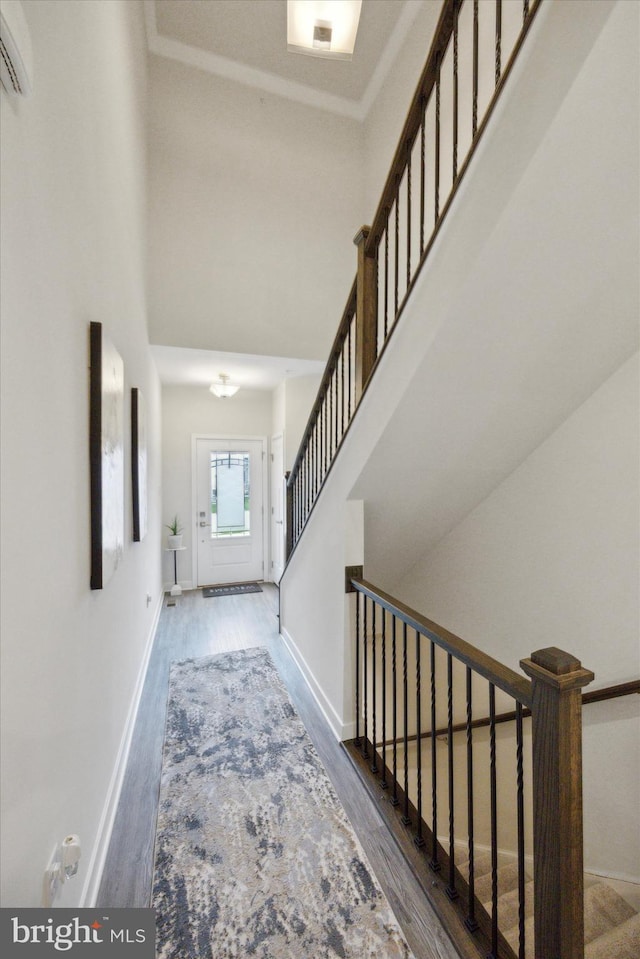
472 53
512 798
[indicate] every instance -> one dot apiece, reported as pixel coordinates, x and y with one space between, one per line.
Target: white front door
229 515
277 507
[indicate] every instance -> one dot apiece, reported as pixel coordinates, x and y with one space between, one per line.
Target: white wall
300 393
254 202
73 250
551 558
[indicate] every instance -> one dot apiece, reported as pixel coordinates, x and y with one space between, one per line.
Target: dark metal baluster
357 739
335 375
396 251
318 454
422 172
326 434
456 7
470 921
475 68
306 482
498 40
394 798
494 821
406 819
342 391
418 838
365 685
330 419
384 782
435 864
349 374
374 706
520 805
437 143
386 275
451 890
408 214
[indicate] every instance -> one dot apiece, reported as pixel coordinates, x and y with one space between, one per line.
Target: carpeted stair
611 924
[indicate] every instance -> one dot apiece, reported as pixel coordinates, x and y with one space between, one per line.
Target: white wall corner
340 729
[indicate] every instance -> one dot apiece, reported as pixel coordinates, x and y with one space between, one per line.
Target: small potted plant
175 533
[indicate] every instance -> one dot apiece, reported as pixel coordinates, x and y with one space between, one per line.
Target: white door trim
194 495
275 574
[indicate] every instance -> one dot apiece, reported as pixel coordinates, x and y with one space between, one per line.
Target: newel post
556 713
366 312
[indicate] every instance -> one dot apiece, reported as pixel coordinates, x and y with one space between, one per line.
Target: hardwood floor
197 627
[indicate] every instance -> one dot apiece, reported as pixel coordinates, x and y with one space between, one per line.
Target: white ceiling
184 367
246 41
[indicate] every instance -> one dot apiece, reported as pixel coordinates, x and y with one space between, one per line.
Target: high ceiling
246 40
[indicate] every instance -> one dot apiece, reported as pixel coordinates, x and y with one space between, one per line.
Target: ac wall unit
15 49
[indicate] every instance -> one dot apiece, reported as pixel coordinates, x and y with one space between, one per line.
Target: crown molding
288 89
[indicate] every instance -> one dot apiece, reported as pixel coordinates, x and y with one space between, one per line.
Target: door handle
278 522
202 523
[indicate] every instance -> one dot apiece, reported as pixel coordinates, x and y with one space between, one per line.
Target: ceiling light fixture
323 28
222 389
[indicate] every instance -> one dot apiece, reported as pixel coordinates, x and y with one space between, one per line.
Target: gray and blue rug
254 854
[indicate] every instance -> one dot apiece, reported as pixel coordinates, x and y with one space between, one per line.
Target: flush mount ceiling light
222 389
323 28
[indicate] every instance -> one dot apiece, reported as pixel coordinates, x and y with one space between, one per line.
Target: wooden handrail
439 44
553 697
593 696
486 666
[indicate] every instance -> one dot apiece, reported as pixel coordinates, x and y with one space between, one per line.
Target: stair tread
509 904
604 909
507 881
621 942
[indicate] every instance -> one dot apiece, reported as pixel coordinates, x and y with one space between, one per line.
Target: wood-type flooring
196 627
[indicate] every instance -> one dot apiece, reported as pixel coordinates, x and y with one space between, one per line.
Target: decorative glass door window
230 494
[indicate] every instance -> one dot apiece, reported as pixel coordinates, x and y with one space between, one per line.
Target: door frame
223 437
273 493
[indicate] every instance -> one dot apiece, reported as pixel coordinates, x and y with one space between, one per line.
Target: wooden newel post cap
556 668
362 235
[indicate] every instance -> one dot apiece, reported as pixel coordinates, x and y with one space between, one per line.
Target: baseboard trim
339 729
101 846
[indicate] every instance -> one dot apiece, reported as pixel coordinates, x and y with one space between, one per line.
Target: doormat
233 590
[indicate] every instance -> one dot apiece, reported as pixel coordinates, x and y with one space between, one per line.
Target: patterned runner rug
255 856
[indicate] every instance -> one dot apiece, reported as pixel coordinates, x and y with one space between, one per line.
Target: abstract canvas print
106 450
138 464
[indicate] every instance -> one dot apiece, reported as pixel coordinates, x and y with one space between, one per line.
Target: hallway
197 627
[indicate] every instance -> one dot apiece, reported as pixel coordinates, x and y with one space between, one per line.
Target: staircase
611 924
396 700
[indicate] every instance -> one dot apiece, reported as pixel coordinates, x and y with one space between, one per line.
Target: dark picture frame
138 464
106 455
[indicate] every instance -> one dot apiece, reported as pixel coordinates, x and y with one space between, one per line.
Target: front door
229 481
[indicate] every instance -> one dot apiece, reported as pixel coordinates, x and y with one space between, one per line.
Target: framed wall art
106 452
139 464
